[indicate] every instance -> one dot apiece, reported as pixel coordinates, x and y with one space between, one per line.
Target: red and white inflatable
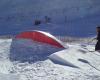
41 36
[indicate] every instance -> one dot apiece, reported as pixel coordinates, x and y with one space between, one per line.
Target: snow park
49 40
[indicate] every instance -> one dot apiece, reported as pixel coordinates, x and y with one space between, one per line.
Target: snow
28 60
18 61
9 77
68 17
72 56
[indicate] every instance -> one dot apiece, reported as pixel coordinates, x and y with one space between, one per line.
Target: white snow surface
26 60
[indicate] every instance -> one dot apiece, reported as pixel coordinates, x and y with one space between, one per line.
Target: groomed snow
75 56
24 67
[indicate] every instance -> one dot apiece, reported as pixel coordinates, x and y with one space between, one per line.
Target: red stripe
40 37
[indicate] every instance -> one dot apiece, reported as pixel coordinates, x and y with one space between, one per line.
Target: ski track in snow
15 69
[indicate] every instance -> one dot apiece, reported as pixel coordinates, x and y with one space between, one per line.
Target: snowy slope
69 17
20 68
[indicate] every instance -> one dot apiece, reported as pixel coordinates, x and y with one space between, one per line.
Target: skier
47 19
37 22
97 46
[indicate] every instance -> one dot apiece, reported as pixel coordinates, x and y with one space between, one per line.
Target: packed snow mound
78 56
68 57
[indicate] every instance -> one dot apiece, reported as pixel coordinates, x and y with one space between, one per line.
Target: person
47 19
97 46
37 22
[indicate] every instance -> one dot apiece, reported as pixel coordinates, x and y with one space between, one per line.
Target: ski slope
19 61
72 18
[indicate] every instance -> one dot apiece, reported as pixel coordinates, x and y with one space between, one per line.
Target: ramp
41 36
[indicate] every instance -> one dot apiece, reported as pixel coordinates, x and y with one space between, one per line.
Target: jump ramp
41 36
70 56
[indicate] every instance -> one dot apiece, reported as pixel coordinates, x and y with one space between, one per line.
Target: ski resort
49 40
